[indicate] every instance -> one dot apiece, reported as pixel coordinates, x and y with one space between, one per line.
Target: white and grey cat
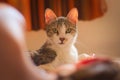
59 48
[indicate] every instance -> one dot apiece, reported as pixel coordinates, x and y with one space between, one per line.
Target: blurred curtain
33 10
90 9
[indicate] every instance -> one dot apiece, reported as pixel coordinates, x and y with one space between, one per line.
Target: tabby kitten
59 48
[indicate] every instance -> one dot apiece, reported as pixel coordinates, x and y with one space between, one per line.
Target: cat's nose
62 39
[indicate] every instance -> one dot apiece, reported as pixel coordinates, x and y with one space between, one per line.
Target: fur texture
62 33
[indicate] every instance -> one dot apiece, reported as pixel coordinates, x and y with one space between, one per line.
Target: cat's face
61 30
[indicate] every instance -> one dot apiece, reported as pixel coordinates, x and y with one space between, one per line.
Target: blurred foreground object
15 64
91 69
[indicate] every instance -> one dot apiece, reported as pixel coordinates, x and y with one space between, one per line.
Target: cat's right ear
49 15
73 15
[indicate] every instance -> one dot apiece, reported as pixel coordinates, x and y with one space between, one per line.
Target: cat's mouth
61 42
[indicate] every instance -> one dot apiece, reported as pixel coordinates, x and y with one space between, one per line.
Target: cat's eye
68 30
54 30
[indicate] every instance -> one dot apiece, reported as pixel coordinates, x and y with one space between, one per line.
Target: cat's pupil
68 30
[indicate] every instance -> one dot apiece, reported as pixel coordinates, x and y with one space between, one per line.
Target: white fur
66 53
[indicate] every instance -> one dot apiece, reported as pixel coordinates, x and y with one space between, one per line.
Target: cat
59 47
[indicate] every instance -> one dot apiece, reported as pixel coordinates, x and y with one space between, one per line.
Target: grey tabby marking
43 56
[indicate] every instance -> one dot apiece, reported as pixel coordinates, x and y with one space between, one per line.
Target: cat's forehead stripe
66 23
63 28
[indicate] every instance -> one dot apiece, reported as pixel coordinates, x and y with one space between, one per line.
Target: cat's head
61 30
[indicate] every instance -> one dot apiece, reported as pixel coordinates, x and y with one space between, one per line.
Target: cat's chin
61 44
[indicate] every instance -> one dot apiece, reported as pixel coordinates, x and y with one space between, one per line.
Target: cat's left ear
73 15
49 15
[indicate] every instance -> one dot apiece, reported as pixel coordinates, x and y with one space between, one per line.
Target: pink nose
62 39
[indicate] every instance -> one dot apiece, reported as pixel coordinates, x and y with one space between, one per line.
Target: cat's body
64 55
59 48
